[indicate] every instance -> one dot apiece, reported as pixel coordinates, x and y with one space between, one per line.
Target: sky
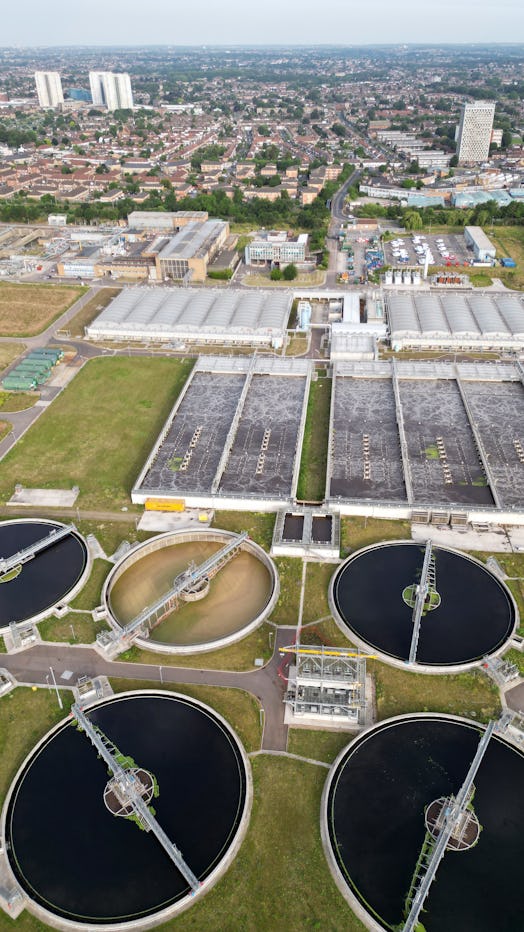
272 22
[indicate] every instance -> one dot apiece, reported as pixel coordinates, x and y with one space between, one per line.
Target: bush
290 272
221 274
275 275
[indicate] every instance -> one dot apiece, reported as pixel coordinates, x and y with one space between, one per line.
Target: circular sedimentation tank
33 588
380 797
77 857
468 613
216 613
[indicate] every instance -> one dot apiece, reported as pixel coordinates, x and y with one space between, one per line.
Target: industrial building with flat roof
483 248
164 220
204 315
456 321
186 255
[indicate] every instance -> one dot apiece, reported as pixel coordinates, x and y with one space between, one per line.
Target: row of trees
414 219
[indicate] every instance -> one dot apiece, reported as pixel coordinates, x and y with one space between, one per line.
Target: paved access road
32 666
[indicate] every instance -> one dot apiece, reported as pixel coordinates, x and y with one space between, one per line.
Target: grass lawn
73 628
303 279
26 310
258 525
471 694
279 880
316 605
89 597
99 431
9 352
92 309
312 476
239 708
318 745
239 656
286 609
509 242
480 279
327 632
17 401
356 532
297 344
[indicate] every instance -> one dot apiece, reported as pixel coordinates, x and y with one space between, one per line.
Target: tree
412 220
275 275
290 272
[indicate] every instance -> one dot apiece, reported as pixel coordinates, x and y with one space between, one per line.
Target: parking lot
447 249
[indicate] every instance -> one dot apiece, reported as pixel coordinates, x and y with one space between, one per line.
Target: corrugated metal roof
456 315
146 311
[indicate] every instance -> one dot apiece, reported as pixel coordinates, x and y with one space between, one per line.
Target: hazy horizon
378 22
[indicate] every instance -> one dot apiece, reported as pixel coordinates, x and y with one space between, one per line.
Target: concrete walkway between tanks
32 666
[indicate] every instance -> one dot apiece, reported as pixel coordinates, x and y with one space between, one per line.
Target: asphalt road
33 666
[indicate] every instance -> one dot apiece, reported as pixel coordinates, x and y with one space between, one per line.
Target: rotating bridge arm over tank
427 866
23 556
153 614
133 796
426 579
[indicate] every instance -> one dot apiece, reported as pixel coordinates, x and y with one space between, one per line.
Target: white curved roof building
201 315
456 320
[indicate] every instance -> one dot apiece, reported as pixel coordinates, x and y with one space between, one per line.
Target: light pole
58 696
161 677
73 632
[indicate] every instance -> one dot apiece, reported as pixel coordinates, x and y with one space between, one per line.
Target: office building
111 89
49 88
474 131
276 248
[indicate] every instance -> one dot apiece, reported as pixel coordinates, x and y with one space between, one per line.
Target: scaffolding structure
327 682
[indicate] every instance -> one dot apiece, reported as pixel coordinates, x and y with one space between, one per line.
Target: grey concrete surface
32 666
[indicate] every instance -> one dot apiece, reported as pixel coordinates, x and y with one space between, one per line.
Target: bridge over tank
158 547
